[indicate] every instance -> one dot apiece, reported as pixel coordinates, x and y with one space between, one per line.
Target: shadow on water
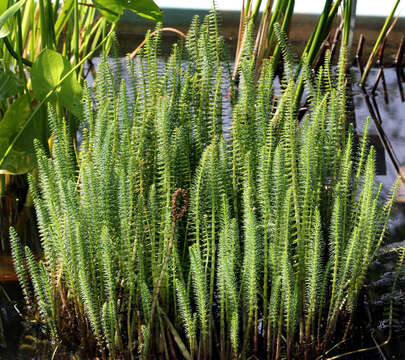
29 341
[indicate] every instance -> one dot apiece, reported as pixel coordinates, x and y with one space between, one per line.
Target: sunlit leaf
64 16
4 31
145 8
113 9
47 70
7 15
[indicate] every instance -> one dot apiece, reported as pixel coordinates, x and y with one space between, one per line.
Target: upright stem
76 32
315 43
20 47
20 57
349 13
284 28
380 39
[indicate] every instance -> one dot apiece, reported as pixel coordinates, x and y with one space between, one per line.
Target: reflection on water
379 289
393 116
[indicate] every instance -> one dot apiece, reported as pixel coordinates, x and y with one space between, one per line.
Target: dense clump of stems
164 236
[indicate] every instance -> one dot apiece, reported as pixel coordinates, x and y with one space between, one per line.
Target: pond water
382 271
377 297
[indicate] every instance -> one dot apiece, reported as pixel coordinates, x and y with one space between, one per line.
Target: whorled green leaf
47 71
21 158
113 9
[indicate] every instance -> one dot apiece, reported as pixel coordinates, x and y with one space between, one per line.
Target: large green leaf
47 70
7 14
9 83
113 9
110 9
145 8
21 158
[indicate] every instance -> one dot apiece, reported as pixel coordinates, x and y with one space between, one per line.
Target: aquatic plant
164 236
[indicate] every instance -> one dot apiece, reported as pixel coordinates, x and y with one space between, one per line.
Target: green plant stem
162 274
20 51
279 10
45 43
76 31
284 28
320 31
28 19
14 54
63 18
347 13
20 54
256 10
314 44
378 43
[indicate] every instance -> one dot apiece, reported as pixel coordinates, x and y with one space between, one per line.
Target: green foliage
114 9
11 85
33 62
6 15
272 248
24 36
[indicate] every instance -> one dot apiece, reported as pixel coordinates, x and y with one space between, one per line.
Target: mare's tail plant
163 236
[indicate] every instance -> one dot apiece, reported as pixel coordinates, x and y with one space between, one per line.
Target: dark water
373 313
379 290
